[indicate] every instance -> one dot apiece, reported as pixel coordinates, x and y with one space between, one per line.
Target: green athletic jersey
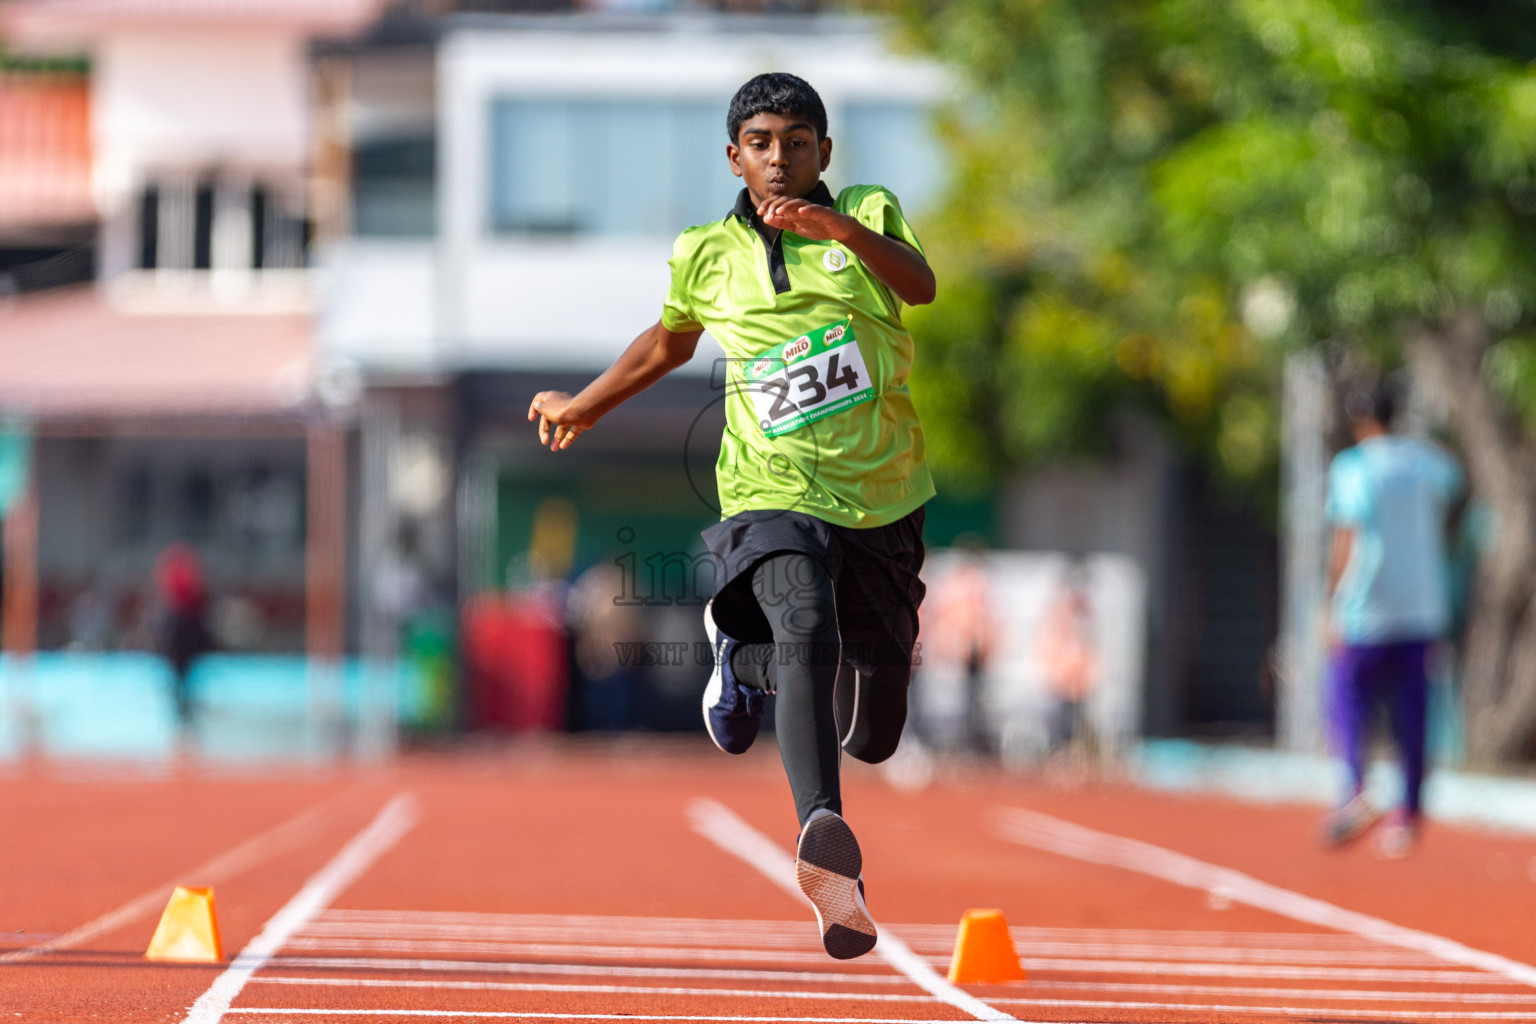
818 416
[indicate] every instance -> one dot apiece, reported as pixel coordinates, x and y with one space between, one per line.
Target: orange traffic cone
984 951
188 929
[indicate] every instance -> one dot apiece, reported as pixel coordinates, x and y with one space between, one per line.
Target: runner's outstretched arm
650 357
896 264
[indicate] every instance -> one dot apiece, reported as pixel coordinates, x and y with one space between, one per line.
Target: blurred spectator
90 621
601 629
1069 655
181 634
400 588
962 631
1388 501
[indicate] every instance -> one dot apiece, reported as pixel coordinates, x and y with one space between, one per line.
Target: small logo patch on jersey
834 260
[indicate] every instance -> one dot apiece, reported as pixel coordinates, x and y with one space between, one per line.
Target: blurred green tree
1155 199
47 64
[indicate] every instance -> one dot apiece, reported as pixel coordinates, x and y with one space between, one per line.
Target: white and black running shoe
827 865
733 711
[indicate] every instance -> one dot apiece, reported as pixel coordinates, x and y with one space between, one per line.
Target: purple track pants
1397 675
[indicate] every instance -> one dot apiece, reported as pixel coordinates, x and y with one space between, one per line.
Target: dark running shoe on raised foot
732 711
827 866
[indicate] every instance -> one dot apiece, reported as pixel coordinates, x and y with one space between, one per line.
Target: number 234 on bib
808 378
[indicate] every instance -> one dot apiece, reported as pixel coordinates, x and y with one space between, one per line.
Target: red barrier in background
515 656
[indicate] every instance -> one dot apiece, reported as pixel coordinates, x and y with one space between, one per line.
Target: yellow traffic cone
189 929
984 952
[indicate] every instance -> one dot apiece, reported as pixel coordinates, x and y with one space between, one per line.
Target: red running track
643 882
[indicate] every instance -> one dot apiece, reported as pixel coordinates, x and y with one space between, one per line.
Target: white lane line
1071 965
1080 965
1031 828
1311 940
557 950
457 917
229 864
1446 977
582 970
1303 939
725 829
328 933
388 826
535 986
1332 1012
547 925
1022 933
1218 954
1361 995
885 997
527 1015
574 936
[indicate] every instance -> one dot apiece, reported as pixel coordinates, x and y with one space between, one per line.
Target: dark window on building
197 505
134 512
563 166
149 227
176 227
394 187
259 205
202 228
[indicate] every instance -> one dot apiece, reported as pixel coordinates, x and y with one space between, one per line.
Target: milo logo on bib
808 378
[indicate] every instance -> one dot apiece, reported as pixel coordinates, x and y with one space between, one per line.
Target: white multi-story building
339 246
176 397
570 151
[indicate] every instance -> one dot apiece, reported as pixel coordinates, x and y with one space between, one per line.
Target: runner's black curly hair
776 93
1374 400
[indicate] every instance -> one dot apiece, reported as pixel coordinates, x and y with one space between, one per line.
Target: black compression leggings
819 703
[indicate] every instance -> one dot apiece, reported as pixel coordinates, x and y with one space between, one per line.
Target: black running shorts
874 573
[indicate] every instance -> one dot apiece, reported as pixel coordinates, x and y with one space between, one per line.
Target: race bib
808 378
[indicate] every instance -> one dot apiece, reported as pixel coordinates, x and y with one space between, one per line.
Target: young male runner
821 474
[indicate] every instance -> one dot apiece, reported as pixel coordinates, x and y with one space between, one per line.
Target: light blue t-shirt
1393 492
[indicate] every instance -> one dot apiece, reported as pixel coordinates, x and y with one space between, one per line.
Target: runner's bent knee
877 712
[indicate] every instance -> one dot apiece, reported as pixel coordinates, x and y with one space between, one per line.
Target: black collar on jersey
772 237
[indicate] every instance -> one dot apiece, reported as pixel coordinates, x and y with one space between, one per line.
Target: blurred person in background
181 628
1069 655
1389 502
602 698
90 621
963 631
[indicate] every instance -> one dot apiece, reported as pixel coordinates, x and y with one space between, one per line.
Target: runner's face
778 156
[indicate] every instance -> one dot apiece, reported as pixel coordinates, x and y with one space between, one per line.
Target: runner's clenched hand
894 263
555 409
806 219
